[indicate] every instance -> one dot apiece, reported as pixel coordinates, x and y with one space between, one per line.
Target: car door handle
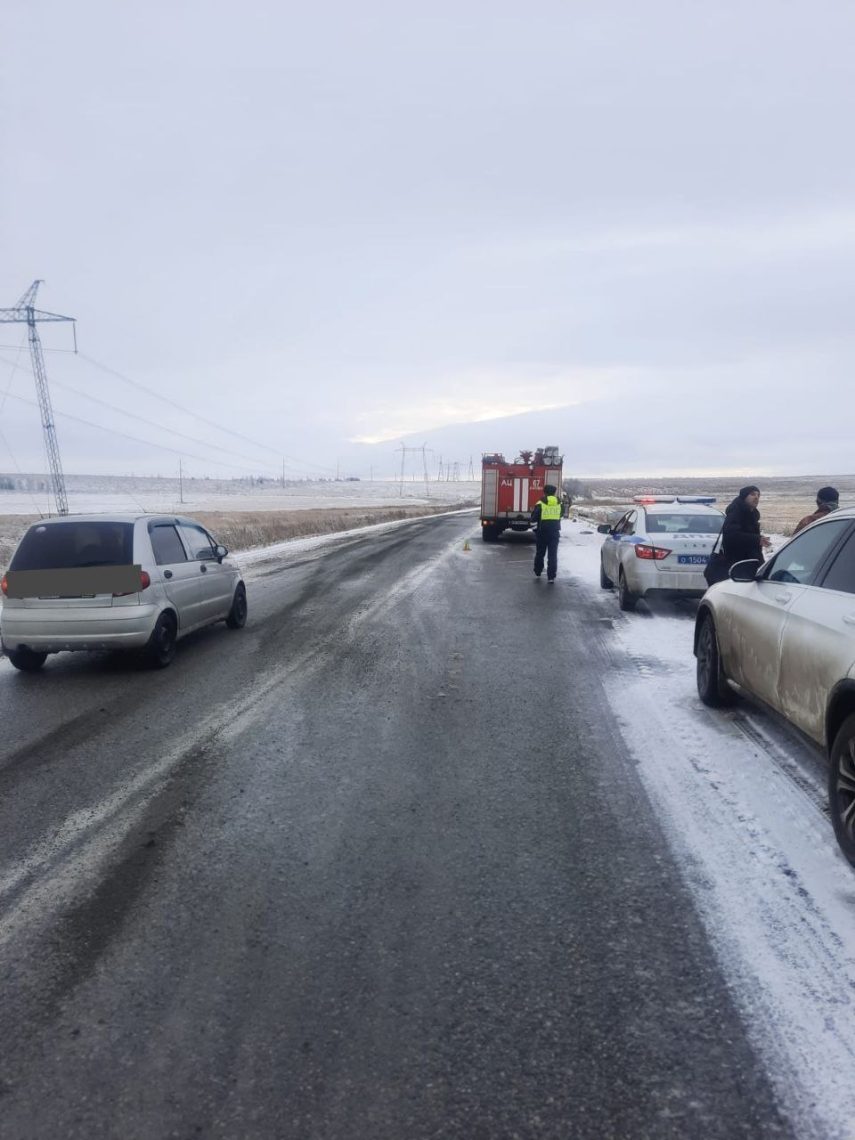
167 573
203 568
849 619
783 597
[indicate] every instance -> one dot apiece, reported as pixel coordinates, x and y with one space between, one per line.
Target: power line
15 367
136 438
17 467
196 415
161 427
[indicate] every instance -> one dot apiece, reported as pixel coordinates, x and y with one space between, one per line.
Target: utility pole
180 481
424 449
25 313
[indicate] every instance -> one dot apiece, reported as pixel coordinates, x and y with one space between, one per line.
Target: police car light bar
674 499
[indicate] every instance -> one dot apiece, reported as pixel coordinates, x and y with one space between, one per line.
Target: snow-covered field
100 495
742 802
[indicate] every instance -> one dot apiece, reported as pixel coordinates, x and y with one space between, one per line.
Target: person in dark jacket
740 535
547 518
827 500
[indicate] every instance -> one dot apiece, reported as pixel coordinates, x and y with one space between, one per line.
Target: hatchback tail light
145 582
651 553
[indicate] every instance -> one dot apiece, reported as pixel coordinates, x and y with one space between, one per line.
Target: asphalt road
376 866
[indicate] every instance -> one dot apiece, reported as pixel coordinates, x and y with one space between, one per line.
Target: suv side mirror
221 552
604 528
745 571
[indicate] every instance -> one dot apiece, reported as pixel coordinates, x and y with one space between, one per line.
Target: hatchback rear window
62 546
683 524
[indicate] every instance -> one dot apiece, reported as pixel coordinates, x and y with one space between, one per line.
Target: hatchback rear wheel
161 645
841 787
27 660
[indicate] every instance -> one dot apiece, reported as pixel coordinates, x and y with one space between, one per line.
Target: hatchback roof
54 519
112 518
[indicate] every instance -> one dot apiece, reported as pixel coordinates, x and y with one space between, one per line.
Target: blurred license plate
693 559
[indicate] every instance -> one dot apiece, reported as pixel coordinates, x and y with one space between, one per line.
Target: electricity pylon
25 313
424 449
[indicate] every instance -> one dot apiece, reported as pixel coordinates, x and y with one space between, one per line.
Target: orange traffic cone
466 545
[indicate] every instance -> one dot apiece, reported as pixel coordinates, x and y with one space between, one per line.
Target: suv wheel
238 612
713 688
841 787
161 645
27 660
626 599
605 581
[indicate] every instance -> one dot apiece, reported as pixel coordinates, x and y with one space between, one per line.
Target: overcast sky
331 223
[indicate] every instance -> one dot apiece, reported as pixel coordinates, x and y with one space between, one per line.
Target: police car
659 546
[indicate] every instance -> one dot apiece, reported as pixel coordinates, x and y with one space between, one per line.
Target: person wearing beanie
827 500
740 534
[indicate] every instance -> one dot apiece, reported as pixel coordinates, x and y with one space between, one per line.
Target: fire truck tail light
651 553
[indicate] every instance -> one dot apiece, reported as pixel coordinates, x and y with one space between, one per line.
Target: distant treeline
22 483
576 489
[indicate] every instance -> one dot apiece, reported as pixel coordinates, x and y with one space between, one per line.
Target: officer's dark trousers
547 547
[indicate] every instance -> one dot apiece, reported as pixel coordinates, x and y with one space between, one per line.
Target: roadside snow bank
290 546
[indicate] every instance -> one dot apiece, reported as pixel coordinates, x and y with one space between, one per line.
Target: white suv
784 632
659 546
115 582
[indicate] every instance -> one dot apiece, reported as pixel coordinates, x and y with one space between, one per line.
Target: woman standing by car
740 534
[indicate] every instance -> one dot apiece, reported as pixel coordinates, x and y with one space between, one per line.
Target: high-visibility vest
550 509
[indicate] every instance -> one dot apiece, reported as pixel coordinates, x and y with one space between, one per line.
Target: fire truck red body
509 491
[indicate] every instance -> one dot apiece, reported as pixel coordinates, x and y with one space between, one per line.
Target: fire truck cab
509 491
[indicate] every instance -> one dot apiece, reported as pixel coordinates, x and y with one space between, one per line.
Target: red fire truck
509 491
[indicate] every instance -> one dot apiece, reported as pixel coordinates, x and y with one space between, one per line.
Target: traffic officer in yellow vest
547 518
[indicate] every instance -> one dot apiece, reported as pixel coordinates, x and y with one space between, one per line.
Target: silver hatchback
136 582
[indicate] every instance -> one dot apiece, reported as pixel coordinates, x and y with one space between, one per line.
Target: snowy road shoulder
742 807
293 547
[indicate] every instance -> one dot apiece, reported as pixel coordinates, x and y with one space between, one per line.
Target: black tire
161 645
626 599
238 612
27 660
490 533
713 688
841 787
605 580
